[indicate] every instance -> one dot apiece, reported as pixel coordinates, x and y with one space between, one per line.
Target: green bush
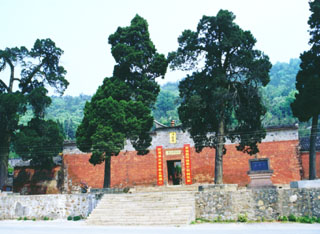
46 218
69 218
242 218
318 220
76 218
292 218
25 218
283 218
10 169
306 219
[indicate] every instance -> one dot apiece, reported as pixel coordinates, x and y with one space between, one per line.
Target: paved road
70 227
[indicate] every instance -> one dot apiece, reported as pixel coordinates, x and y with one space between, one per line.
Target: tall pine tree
306 105
39 67
121 107
224 86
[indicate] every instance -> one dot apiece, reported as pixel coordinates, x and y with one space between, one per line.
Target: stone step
145 207
140 217
164 188
139 223
148 199
126 203
142 221
146 196
167 208
142 213
142 210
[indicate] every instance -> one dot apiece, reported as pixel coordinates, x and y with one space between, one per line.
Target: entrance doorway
174 172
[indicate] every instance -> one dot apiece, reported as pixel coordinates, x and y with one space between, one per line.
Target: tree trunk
107 172
4 156
218 167
312 151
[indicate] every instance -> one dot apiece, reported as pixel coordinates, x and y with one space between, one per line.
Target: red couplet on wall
159 153
187 164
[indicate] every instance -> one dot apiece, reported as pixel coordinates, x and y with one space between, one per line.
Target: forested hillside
278 95
166 107
66 110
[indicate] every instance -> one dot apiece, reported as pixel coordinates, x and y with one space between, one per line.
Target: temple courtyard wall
280 150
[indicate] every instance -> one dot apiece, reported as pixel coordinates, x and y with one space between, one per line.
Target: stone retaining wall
58 206
212 202
257 204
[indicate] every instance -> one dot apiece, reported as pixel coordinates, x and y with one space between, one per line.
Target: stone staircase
145 208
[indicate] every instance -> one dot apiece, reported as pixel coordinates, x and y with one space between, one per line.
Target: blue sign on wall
259 165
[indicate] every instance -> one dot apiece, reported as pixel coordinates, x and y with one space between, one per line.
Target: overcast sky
81 29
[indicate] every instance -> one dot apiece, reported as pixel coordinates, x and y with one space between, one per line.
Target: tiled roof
305 143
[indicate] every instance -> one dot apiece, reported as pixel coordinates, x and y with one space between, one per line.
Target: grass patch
243 218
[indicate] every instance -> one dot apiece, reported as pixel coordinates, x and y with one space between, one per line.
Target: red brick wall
283 160
80 170
130 169
305 164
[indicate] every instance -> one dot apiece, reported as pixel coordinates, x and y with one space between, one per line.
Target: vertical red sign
159 165
187 164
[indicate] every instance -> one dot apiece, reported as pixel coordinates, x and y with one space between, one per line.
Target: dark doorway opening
174 172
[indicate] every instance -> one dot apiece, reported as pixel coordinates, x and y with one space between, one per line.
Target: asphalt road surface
80 227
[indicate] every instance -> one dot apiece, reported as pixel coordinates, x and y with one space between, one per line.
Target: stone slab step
126 203
166 208
137 214
135 223
169 188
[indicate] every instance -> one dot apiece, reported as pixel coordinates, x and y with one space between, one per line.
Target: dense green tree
38 67
224 86
121 107
306 105
40 141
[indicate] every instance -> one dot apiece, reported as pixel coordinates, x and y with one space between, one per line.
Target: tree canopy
306 105
121 107
224 85
39 141
39 68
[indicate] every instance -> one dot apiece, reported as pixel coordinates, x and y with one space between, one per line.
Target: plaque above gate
173 152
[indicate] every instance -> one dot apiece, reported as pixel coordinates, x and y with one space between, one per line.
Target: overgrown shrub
292 218
306 219
283 218
76 218
242 218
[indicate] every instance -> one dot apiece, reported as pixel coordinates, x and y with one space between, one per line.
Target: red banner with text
159 153
187 164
